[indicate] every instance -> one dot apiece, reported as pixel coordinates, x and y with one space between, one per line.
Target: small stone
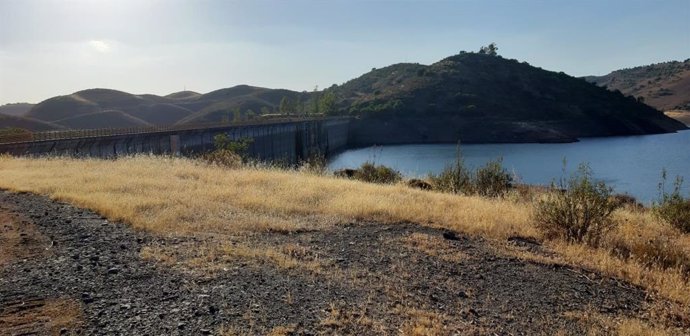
463 295
86 297
205 332
450 235
181 325
113 270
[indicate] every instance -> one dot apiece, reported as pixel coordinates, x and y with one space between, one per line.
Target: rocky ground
65 270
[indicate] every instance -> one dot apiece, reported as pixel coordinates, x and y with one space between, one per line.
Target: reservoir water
630 164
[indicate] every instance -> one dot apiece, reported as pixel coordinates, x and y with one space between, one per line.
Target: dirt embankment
363 278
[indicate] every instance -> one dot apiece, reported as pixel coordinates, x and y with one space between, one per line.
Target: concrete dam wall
286 141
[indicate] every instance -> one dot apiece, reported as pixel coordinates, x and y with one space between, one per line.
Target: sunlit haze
50 48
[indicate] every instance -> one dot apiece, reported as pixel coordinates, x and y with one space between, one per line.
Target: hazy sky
51 47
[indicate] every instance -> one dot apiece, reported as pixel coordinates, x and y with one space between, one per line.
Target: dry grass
182 197
167 195
434 246
40 317
680 115
211 257
20 239
598 324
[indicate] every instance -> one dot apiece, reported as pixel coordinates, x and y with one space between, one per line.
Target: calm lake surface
630 165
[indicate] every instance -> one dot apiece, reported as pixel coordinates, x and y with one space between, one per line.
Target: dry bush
223 158
455 178
673 208
640 237
580 211
490 180
370 172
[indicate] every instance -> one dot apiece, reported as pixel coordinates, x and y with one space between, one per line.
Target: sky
57 47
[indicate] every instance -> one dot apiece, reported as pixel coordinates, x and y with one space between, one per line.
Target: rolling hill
105 108
482 98
27 123
470 97
665 86
16 109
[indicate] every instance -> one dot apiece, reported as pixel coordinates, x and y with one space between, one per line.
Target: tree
287 106
315 100
327 103
491 49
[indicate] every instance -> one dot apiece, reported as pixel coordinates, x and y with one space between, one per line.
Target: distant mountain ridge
106 108
15 109
665 86
471 97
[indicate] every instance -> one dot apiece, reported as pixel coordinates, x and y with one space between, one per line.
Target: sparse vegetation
672 207
227 153
222 202
577 209
490 180
371 172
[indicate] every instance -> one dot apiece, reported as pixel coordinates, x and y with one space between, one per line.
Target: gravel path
376 279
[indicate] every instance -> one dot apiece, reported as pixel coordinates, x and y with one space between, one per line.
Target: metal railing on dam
102 132
287 139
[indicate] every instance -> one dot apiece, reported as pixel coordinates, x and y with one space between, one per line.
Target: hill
15 109
665 86
7 121
482 98
112 118
470 97
105 108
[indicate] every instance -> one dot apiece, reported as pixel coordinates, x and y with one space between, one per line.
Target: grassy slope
665 86
184 197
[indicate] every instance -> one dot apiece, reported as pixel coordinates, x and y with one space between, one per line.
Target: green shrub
673 208
369 172
455 177
577 210
491 180
227 153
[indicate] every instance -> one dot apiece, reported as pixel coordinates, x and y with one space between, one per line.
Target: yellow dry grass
180 196
598 324
170 195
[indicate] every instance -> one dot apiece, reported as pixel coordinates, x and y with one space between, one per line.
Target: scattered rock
419 184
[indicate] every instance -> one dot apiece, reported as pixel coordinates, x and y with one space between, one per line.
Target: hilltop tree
491 49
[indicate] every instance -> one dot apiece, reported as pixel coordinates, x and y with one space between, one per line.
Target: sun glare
100 46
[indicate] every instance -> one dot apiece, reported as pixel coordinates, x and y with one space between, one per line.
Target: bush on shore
370 172
227 153
673 208
490 180
577 210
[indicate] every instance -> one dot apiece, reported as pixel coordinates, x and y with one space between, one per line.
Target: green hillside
482 98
